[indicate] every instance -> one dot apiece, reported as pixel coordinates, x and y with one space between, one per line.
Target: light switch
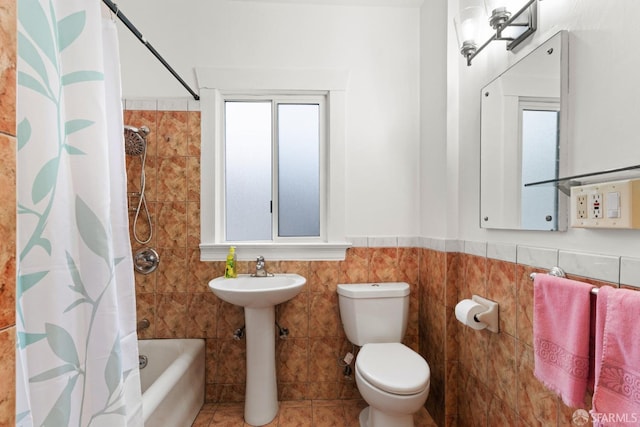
613 205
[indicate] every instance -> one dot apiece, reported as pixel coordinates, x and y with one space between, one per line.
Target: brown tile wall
7 209
494 372
178 303
439 276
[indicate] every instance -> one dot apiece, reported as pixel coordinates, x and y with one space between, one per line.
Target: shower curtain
76 355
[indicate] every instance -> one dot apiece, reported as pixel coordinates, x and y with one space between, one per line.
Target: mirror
523 140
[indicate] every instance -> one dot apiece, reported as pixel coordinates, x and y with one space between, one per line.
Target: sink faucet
261 271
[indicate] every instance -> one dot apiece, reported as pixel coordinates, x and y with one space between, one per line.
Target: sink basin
257 292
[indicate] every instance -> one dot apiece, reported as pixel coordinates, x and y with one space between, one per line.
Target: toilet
392 378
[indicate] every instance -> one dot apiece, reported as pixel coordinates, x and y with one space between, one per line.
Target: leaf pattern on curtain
72 242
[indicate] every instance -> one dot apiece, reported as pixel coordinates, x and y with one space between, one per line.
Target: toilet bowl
394 380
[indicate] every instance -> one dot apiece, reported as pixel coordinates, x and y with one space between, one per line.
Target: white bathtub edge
189 367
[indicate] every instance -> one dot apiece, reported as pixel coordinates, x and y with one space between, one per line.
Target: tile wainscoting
488 378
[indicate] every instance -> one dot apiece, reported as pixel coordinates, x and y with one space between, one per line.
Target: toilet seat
393 367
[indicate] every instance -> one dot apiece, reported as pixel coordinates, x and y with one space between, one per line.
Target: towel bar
594 291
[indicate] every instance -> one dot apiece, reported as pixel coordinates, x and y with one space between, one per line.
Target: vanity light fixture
504 25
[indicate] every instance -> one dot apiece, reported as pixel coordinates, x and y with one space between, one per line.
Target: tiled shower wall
7 209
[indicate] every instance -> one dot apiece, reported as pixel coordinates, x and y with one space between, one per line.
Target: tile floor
316 413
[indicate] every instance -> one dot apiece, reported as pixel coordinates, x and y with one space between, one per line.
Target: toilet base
370 417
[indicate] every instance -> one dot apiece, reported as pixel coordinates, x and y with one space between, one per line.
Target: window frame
217 85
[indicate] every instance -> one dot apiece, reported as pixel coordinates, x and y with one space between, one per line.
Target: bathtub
172 382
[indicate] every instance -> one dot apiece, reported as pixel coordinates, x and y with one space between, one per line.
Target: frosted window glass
298 170
248 170
539 162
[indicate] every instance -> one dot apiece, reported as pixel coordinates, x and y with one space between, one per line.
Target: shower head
135 142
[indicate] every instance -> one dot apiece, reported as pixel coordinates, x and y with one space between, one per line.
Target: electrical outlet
595 205
613 204
581 206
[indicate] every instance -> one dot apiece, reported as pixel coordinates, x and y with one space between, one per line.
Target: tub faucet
261 271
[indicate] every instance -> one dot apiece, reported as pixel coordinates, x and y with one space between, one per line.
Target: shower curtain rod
114 8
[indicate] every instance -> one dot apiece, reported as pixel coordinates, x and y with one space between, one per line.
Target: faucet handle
260 259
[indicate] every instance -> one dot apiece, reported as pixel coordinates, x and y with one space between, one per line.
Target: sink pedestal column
261 394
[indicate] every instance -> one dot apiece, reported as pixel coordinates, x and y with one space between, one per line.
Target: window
274 187
539 121
273 151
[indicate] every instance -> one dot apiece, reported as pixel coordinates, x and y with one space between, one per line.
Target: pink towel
561 319
616 399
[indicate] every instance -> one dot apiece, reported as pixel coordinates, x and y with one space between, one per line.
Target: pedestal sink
259 296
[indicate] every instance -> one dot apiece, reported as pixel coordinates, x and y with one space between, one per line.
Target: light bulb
468 28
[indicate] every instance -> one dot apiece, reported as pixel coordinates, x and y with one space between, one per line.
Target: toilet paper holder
490 316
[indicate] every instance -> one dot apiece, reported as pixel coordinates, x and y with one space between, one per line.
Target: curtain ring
114 14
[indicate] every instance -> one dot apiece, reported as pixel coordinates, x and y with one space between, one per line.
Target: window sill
276 251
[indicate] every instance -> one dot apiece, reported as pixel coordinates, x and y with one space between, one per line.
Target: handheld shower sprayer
135 144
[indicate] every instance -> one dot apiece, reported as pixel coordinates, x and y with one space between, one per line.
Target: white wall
438 167
378 45
604 111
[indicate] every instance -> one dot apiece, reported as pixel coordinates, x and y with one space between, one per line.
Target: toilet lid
393 367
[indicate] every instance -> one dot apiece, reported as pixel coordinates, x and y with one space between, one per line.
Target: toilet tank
374 312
